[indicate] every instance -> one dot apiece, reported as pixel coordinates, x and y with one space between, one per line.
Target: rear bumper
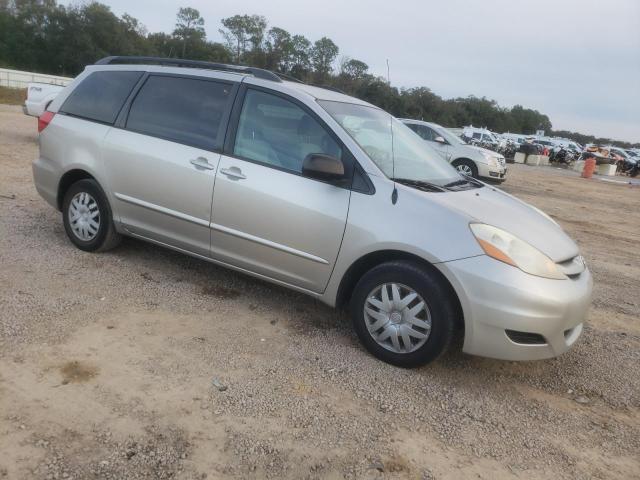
496 297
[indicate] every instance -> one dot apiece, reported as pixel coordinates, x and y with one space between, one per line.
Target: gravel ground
144 363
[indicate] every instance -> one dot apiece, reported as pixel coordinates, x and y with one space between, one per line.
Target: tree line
43 36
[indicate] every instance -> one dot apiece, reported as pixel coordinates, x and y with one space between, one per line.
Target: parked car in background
548 143
634 154
480 136
517 138
310 189
619 152
470 160
625 162
39 97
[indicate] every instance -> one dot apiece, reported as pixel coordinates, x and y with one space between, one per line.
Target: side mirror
322 167
439 139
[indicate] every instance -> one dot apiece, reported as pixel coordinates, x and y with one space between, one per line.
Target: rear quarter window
100 96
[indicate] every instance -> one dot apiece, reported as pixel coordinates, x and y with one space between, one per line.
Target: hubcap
464 168
84 216
397 318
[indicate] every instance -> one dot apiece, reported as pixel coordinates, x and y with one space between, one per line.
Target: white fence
19 79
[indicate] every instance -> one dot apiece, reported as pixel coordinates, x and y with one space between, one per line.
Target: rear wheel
466 167
87 217
403 314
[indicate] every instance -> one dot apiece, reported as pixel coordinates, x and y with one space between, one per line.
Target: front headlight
509 249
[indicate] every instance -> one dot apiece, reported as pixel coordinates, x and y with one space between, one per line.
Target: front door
267 217
162 164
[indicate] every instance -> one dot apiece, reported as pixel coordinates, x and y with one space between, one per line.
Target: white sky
577 61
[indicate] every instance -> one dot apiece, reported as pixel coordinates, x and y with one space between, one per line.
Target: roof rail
284 76
179 62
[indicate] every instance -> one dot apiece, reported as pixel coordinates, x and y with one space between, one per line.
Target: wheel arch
373 259
68 179
463 159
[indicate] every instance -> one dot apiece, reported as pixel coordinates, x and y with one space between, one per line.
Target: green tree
189 27
244 34
323 54
353 69
279 49
300 63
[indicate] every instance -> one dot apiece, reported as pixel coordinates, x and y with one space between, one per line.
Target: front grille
525 338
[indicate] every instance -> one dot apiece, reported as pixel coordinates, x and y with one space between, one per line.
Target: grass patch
12 96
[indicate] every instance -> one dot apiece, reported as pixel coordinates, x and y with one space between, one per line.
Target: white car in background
39 97
481 135
470 160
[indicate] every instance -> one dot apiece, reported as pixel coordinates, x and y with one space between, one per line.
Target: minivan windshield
405 156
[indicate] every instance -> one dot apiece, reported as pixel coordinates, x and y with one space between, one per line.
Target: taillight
44 120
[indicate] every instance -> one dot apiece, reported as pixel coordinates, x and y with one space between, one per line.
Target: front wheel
87 217
466 167
403 313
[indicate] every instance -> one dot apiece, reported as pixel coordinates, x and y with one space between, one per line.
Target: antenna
394 194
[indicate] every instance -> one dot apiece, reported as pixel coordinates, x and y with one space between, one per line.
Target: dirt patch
77 372
220 291
12 96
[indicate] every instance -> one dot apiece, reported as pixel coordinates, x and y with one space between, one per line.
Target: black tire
106 237
469 163
433 291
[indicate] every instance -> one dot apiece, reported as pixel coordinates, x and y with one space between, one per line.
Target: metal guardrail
20 79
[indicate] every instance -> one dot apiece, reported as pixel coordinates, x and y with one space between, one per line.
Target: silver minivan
315 190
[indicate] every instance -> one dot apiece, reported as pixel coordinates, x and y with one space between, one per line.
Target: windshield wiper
466 181
421 185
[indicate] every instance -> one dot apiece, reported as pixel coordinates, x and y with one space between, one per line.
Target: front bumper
496 297
498 173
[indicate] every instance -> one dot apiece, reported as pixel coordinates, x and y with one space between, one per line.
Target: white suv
470 160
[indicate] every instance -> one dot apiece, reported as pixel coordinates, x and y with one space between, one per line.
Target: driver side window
277 132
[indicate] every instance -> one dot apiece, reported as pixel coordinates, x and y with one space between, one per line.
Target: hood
494 207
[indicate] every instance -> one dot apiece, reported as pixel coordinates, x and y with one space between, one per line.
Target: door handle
233 172
202 162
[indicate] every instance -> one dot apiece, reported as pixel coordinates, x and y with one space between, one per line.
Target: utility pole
388 76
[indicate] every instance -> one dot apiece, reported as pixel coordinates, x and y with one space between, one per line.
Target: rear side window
184 110
101 95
